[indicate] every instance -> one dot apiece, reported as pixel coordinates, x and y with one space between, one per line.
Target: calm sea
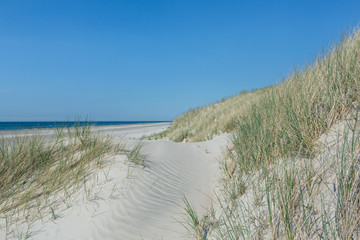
32 125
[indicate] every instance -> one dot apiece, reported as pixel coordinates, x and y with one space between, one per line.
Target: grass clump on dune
33 169
290 117
283 181
135 156
299 197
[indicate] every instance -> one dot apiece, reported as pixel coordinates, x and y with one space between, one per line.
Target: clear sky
152 60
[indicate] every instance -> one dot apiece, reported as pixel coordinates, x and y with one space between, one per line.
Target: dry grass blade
135 156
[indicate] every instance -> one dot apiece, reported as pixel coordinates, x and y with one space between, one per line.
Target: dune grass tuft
135 156
33 169
200 227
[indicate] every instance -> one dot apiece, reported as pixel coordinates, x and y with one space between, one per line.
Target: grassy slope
286 198
204 123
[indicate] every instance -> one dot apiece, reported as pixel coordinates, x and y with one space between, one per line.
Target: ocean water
33 125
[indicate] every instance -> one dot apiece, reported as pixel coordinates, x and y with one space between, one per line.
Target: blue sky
152 60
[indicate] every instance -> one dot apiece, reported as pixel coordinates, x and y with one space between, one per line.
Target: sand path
153 207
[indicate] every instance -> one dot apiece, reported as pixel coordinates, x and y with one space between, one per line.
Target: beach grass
199 227
203 123
281 180
299 197
135 156
34 169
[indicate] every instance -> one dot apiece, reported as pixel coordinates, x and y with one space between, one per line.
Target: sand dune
148 203
152 208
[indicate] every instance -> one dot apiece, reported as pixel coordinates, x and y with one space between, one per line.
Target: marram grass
134 156
33 170
281 181
290 117
297 197
204 123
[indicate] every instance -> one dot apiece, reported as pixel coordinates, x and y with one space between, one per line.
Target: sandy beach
132 202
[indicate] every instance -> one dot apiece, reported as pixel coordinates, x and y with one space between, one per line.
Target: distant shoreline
28 125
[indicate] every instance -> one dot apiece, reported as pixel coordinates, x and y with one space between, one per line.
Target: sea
4 126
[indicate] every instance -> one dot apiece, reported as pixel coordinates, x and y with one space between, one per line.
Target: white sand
136 203
117 131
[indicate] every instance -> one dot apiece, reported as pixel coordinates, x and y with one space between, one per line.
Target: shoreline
73 123
51 131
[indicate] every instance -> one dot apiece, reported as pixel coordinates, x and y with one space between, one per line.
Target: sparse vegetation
134 155
200 227
34 170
